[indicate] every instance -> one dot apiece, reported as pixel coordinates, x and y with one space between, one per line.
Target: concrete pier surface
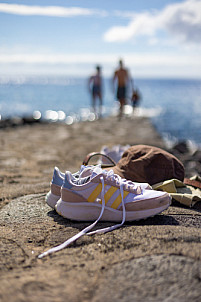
157 259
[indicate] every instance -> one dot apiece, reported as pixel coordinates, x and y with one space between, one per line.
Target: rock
181 147
152 278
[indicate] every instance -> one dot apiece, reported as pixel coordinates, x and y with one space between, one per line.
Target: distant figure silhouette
122 78
135 99
95 89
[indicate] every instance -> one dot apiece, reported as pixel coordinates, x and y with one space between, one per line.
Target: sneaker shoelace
122 183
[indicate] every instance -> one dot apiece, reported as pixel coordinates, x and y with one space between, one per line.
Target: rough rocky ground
158 259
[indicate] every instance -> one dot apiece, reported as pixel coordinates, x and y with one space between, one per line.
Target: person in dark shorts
135 99
122 78
95 89
121 93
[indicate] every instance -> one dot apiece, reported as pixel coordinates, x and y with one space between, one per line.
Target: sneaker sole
51 199
86 211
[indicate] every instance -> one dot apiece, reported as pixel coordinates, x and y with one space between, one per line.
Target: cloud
51 11
179 20
184 20
140 65
135 59
142 24
30 58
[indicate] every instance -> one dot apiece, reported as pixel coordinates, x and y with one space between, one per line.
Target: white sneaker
115 152
57 181
105 196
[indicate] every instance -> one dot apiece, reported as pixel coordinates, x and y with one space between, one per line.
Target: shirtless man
95 88
122 77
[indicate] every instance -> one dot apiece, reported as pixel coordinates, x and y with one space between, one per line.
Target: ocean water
173 105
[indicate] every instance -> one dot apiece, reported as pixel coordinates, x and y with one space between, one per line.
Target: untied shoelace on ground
121 182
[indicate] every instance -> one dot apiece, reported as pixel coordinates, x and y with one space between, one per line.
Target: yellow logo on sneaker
118 200
95 193
92 197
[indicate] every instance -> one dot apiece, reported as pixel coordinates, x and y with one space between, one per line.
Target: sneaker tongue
85 171
97 170
88 170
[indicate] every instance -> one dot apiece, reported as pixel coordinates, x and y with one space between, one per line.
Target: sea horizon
171 103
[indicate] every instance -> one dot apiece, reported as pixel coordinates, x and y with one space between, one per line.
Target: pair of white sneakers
93 194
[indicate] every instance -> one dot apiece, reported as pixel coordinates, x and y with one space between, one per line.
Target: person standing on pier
95 89
121 79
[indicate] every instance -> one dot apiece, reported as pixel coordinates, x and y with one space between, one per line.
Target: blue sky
156 38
